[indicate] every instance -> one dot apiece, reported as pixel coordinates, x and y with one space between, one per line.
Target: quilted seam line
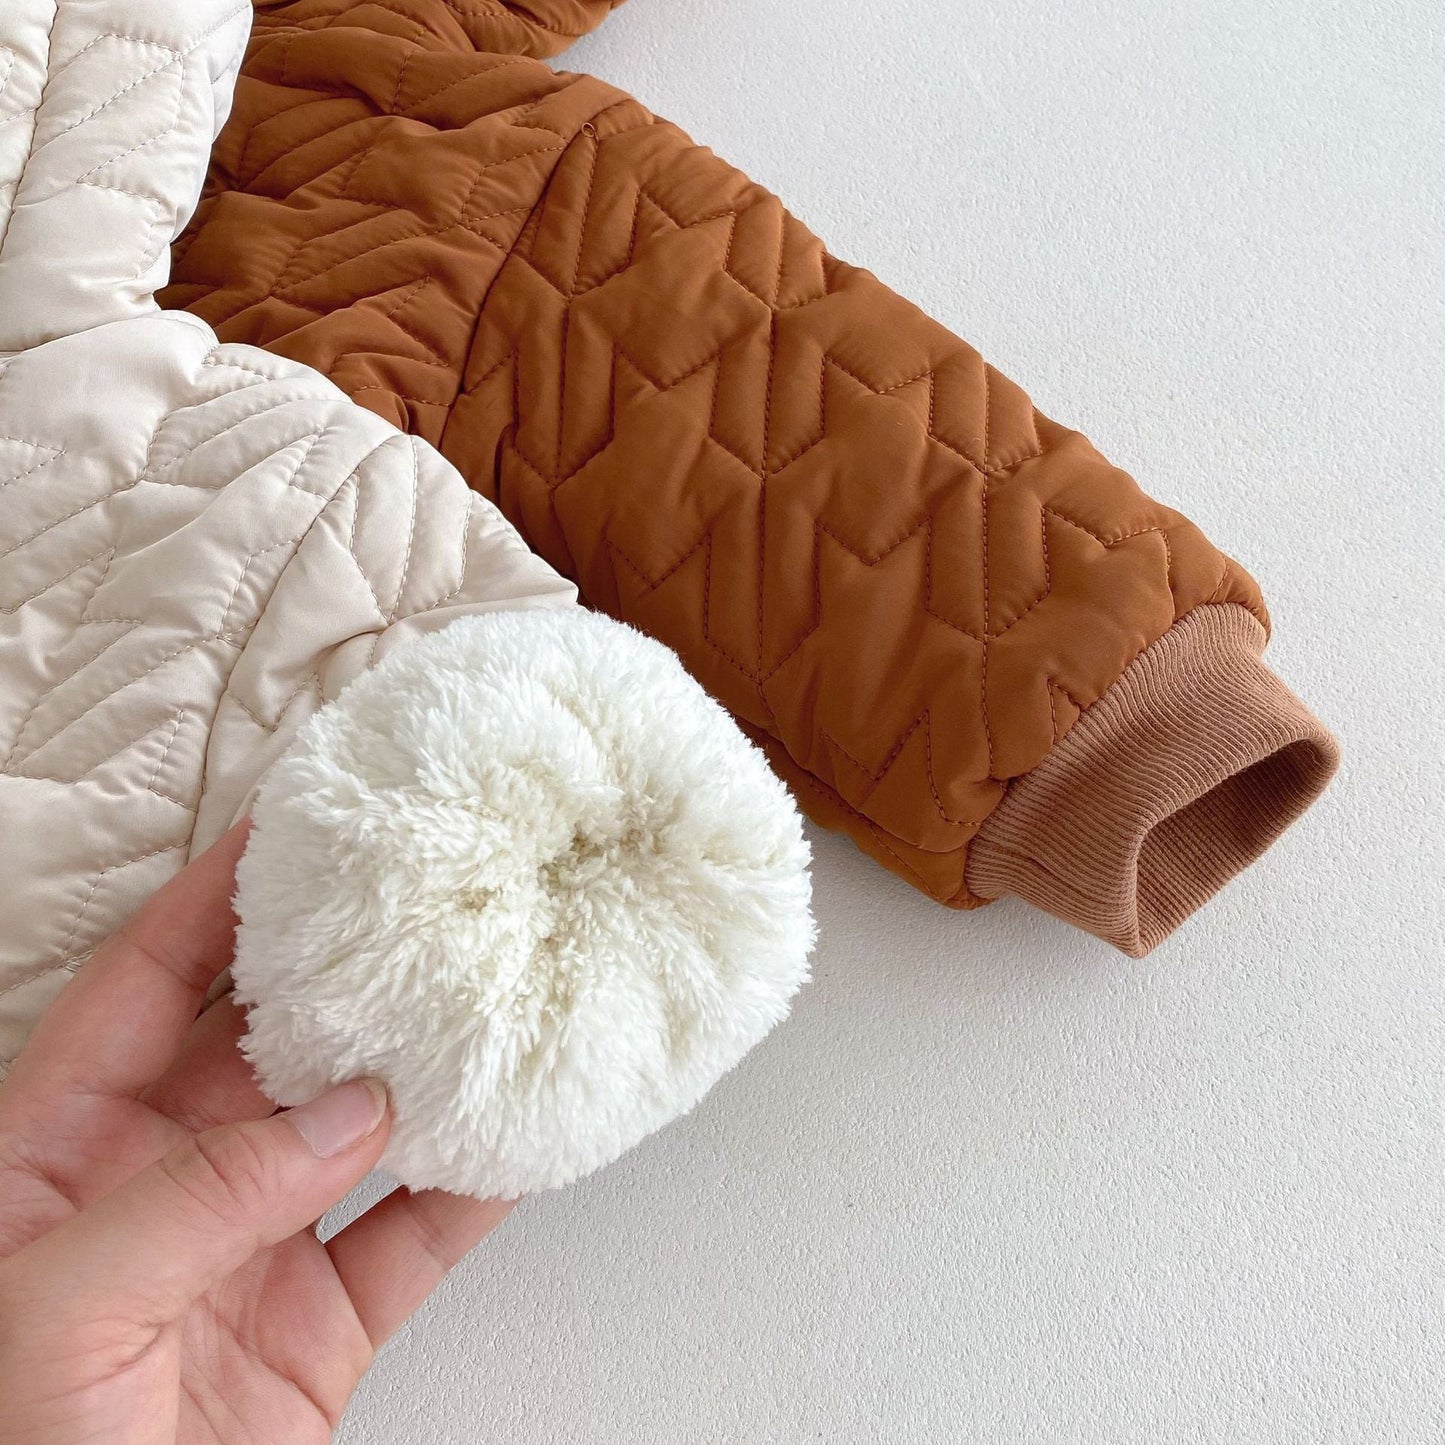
501 15
34 117
165 661
106 553
925 721
759 676
223 633
519 119
172 723
52 74
55 454
705 542
67 960
882 839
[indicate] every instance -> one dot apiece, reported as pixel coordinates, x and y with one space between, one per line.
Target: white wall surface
995 1183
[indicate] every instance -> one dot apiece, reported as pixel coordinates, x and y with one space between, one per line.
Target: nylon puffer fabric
864 540
200 543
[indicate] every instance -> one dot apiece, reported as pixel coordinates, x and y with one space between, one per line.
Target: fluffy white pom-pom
530 875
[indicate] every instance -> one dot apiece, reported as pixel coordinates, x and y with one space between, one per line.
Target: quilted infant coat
961 635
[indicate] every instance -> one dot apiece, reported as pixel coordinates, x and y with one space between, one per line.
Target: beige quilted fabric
199 543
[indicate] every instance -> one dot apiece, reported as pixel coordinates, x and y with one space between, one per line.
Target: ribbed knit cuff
1176 779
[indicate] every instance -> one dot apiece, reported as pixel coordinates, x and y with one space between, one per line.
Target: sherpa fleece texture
901 577
202 545
530 875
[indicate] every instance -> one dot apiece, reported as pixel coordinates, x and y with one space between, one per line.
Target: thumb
146 1251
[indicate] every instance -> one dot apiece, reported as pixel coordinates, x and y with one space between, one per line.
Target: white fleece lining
531 876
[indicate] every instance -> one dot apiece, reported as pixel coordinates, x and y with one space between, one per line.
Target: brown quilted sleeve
866 541
906 583
504 27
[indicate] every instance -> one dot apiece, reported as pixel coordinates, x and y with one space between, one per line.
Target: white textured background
996 1183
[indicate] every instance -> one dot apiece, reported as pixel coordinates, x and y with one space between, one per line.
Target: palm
250 1367
244 1364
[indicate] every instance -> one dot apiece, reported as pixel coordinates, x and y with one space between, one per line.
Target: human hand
160 1278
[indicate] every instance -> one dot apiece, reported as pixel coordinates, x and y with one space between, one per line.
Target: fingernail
341 1117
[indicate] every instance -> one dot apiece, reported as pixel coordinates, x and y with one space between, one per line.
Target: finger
118 1025
211 1081
144 1253
398 1252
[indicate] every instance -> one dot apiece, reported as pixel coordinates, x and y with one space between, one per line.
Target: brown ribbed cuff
1178 778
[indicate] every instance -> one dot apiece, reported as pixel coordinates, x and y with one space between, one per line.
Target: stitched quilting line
759 677
95 884
225 635
54 73
500 12
86 901
283 285
410 534
187 647
174 58
65 958
500 15
557 481
85 179
227 628
90 769
435 358
591 135
83 620
76 670
53 454
354 484
215 360
308 682
175 55
56 581
33 115
875 777
1048 587
150 782
521 118
159 476
880 838
705 544
283 279
993 474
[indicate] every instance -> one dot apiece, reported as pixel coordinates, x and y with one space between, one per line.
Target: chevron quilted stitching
42 455
67 957
103 557
996 461
174 57
228 634
309 683
726 435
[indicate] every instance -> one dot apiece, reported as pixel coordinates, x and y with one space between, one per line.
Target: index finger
401 1249
115 1029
